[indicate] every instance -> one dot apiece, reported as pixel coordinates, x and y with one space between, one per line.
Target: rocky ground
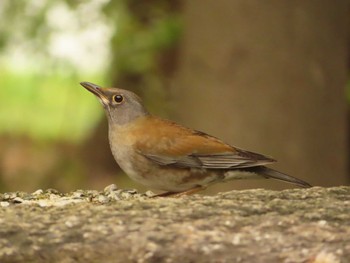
298 225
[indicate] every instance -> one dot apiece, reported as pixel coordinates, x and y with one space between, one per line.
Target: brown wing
167 143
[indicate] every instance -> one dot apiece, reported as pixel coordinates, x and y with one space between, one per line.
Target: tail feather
271 173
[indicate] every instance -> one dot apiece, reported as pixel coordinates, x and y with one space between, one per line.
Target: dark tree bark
269 76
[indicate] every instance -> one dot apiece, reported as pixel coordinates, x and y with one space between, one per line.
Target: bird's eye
118 98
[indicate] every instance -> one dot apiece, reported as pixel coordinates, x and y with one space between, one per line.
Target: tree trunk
269 76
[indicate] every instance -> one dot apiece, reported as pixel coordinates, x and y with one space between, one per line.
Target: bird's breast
122 149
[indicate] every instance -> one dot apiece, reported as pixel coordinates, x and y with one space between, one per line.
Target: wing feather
177 146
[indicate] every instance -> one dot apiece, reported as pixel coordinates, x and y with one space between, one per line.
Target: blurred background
266 76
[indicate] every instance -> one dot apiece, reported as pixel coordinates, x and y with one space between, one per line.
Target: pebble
4 204
110 188
38 192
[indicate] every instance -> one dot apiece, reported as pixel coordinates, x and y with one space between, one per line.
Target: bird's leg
189 192
180 194
166 194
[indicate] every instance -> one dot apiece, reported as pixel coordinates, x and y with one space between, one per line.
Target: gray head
121 106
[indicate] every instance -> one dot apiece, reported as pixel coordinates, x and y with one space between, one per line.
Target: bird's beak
97 91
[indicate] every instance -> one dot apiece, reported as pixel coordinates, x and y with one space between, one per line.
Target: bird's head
121 106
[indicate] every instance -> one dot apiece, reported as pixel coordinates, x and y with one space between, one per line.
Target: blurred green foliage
40 94
47 106
141 36
48 103
22 21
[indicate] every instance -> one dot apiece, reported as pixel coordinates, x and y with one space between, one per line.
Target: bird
163 155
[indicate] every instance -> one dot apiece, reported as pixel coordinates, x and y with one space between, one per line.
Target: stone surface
298 225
